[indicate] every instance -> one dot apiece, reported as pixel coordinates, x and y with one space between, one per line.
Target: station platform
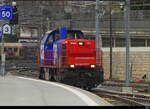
22 91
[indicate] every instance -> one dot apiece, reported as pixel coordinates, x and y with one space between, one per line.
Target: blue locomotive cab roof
71 34
68 34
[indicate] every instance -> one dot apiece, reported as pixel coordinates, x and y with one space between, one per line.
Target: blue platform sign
6 13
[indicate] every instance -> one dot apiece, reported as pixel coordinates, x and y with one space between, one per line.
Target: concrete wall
139 58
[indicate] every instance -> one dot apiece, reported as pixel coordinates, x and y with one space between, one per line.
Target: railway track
121 84
130 99
26 73
22 68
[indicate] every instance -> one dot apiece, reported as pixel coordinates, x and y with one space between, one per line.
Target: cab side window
50 40
57 37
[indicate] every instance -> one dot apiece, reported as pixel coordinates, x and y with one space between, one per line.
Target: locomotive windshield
71 34
74 35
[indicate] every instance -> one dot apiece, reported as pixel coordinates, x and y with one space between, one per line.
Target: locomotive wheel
59 76
50 74
55 77
46 74
41 73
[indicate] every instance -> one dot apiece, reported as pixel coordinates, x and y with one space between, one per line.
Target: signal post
6 14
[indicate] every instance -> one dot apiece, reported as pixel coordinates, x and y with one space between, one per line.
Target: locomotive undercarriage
85 78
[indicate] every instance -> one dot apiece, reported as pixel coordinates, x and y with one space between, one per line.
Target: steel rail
132 84
138 99
32 75
124 99
132 98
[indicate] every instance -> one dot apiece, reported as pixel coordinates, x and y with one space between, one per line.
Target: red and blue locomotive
67 56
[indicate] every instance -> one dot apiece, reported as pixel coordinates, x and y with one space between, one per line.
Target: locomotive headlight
72 66
81 43
92 66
